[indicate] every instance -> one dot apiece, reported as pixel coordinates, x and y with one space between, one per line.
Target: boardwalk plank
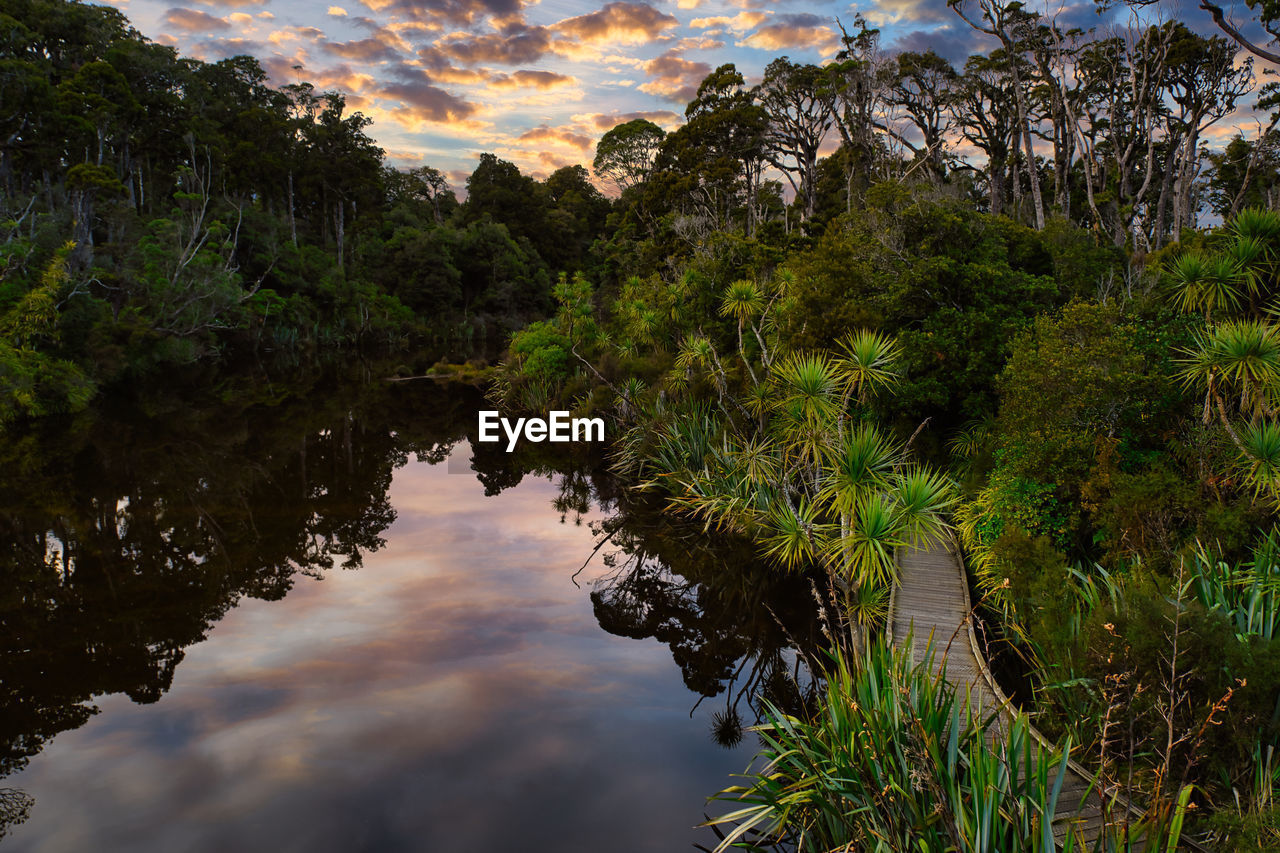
931 600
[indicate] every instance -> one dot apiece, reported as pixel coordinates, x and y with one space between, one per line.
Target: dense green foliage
157 210
1085 405
894 759
1095 399
1130 464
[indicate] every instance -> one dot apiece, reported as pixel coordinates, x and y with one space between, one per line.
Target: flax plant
1247 593
894 759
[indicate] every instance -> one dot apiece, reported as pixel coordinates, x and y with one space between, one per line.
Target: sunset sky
539 82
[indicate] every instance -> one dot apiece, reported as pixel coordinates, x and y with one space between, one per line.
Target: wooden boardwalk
932 602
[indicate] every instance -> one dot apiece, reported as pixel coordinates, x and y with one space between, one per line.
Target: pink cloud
618 23
674 77
524 79
792 31
194 21
552 135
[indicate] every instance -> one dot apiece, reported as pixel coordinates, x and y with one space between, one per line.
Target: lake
308 615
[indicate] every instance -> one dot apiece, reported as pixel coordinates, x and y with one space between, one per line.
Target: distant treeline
157 210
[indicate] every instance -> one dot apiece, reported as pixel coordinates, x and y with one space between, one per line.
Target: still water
316 619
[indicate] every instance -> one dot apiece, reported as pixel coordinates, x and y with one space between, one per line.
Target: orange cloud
690 43
194 21
342 78
454 11
531 80
426 102
674 77
518 48
294 33
458 76
556 136
372 49
405 156
791 31
553 161
895 11
414 27
617 23
389 36
738 23
607 121
234 4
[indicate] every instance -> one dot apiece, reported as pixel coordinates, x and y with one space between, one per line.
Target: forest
856 306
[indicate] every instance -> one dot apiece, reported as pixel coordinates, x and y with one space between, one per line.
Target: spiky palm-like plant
1206 283
742 300
1240 358
1260 458
1258 223
1254 257
695 352
869 360
809 387
863 461
808 498
795 464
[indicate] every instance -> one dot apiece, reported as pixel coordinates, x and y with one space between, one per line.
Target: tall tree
984 111
625 154
857 79
719 153
424 186
576 215
1204 83
497 190
1001 21
1117 121
799 102
922 86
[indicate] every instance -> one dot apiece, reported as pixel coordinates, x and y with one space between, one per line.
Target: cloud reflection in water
455 694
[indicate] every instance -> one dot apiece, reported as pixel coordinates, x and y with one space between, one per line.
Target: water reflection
732 624
392 708
124 539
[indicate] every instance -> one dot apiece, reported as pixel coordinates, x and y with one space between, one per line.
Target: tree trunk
809 179
1190 167
81 257
1025 126
341 230
1015 179
1162 204
995 179
293 222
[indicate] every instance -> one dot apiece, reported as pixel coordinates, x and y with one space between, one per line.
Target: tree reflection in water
127 533
735 626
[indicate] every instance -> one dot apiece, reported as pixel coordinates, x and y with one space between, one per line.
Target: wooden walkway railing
931 603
